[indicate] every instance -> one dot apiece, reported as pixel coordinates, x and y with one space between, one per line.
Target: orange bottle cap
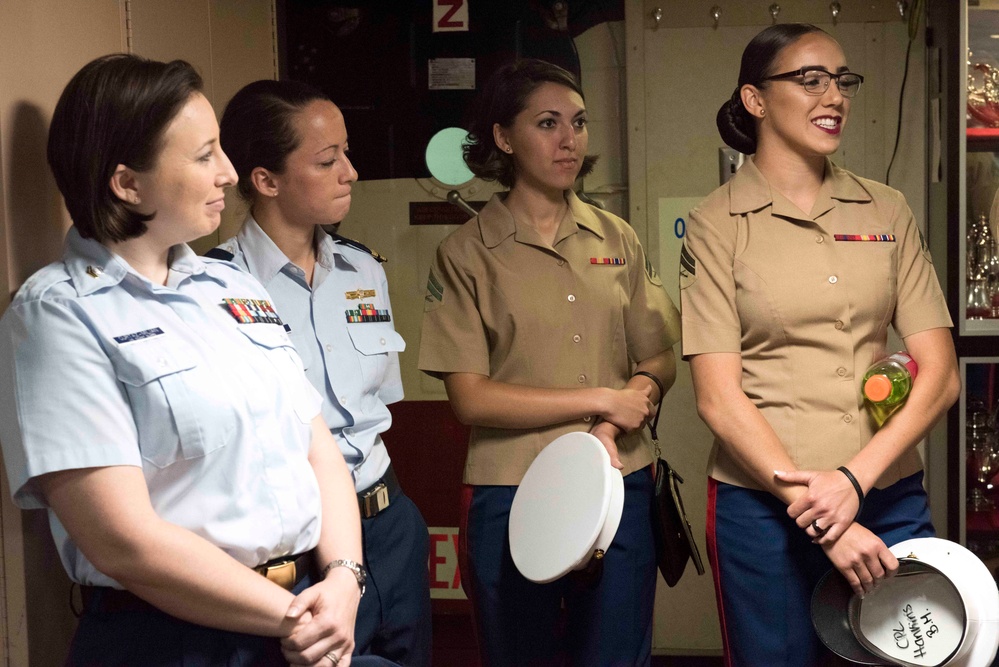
877 388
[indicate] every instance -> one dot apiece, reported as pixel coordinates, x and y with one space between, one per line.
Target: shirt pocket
180 410
373 342
277 347
873 278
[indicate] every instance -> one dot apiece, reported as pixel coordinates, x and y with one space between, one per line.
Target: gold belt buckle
375 499
282 574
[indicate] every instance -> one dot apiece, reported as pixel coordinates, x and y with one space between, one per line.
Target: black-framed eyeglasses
815 81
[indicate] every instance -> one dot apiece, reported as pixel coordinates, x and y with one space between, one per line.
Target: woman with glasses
790 275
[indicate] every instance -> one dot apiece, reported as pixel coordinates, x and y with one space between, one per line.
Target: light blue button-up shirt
100 367
351 360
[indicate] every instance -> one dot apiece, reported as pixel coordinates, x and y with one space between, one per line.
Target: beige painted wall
42 43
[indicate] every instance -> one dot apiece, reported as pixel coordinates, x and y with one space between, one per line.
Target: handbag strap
659 408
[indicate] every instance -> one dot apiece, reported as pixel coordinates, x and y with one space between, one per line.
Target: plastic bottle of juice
887 384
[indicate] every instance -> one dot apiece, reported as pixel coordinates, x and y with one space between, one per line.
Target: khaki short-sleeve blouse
806 300
502 303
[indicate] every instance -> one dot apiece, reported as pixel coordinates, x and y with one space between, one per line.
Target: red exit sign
445 576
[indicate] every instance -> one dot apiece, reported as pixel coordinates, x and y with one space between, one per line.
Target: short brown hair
113 111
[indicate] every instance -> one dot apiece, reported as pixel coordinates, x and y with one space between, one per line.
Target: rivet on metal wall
716 14
835 8
903 7
774 11
657 16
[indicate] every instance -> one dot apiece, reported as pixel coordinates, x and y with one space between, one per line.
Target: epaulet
357 246
220 253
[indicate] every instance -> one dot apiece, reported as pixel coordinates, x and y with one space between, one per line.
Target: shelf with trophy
980 268
980 420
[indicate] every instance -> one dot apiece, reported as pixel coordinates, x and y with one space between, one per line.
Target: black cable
901 96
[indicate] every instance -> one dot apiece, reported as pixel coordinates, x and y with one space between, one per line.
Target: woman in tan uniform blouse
539 312
790 275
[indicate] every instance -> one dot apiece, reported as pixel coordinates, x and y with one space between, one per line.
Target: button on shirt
354 365
100 367
808 318
503 303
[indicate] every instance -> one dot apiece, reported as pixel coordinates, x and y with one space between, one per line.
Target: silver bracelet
359 572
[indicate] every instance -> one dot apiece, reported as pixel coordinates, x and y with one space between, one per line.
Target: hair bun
736 127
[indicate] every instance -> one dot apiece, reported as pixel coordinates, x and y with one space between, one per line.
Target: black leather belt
107 600
285 572
377 497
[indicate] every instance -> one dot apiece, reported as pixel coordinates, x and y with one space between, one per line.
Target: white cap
941 608
568 506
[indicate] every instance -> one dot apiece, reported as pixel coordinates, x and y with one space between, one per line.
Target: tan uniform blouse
806 300
502 303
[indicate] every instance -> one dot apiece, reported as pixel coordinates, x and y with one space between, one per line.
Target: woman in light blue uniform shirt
288 143
154 404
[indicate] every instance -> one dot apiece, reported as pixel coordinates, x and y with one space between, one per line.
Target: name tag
137 336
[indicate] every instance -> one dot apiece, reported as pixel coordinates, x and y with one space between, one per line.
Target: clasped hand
828 506
325 614
862 558
629 409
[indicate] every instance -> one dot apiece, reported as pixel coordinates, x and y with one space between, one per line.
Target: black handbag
675 544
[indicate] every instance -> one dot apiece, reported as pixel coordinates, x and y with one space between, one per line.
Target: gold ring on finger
334 658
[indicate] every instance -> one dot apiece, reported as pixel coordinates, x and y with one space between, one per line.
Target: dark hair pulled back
735 124
257 127
502 98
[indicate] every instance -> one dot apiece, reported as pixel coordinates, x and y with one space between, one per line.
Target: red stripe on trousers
712 544
466 502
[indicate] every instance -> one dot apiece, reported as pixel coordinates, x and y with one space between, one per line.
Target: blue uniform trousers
607 622
765 568
393 619
152 638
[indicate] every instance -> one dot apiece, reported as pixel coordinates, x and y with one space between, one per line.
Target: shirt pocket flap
271 337
142 362
372 338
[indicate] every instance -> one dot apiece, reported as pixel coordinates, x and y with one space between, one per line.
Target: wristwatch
359 572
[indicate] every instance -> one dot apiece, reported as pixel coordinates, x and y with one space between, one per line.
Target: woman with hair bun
288 143
790 275
536 336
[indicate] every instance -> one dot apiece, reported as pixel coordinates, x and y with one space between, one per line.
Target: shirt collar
92 266
749 191
496 223
265 259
